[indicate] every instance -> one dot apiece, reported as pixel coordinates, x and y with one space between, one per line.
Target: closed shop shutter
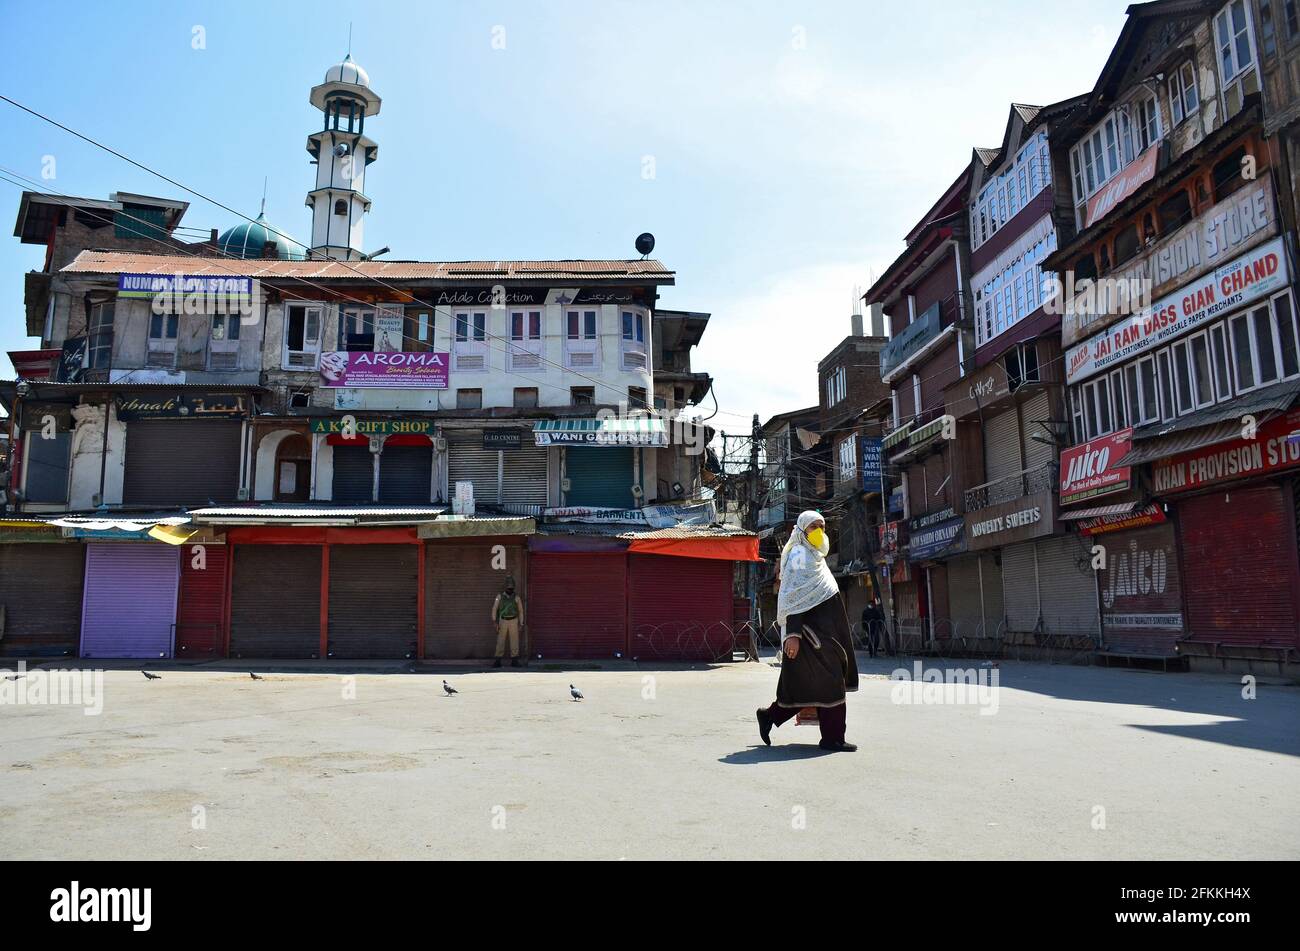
40 592
577 604
938 487
1002 446
994 610
181 462
354 474
201 616
129 608
406 475
1067 587
1033 413
681 608
1239 566
525 474
373 600
468 461
1019 589
600 476
936 580
460 584
964 601
275 601
1141 592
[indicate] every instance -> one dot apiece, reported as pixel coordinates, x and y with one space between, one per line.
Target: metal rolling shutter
600 476
1020 588
1002 446
1036 410
185 462
373 600
994 611
275 601
460 585
201 615
354 474
576 604
41 591
129 608
406 474
1068 587
940 609
1239 566
966 610
681 608
525 474
1142 592
468 461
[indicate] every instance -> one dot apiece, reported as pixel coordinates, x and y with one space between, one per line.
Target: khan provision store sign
1275 446
1246 279
1086 471
380 370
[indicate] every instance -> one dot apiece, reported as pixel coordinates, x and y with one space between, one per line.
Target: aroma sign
1086 470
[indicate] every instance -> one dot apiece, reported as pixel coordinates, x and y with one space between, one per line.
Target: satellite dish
645 243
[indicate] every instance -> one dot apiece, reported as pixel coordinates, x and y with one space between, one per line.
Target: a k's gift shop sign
1274 446
399 370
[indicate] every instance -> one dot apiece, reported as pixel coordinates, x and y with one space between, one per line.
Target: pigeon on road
575 693
149 676
253 675
451 691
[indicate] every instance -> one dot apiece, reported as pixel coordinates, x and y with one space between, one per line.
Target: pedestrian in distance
819 667
873 620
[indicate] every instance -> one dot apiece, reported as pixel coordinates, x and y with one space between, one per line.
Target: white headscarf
806 579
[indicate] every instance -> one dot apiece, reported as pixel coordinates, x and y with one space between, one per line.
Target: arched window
341 207
293 469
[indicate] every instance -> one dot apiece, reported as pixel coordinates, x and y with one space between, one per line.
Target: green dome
248 240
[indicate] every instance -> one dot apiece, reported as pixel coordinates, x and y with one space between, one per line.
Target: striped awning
1104 511
612 431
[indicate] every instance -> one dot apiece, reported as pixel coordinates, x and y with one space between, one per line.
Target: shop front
184 448
129 600
1141 591
1234 504
41 579
577 597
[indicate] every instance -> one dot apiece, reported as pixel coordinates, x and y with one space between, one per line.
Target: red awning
408 439
739 548
338 439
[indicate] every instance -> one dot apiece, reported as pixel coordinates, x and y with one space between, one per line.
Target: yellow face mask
816 537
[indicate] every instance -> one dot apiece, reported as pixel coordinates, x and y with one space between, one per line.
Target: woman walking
819 666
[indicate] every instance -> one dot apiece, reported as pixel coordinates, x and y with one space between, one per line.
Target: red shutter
200 618
682 608
577 604
1239 566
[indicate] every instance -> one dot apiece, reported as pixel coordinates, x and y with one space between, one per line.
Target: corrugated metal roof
276 512
124 262
686 531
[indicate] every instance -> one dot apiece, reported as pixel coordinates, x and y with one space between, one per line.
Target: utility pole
751 523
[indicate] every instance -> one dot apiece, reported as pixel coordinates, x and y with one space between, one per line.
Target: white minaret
342 153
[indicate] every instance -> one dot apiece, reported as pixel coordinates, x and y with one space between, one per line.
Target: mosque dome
248 239
347 72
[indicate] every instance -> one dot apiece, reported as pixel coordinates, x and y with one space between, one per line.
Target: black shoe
497 662
514 662
764 725
840 747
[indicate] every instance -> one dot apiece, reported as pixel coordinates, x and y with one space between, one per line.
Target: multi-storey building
1180 338
928 307
363 450
1025 580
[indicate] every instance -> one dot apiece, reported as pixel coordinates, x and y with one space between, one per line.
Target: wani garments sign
1246 279
1087 471
384 370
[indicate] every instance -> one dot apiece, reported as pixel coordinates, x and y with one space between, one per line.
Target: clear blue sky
794 144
